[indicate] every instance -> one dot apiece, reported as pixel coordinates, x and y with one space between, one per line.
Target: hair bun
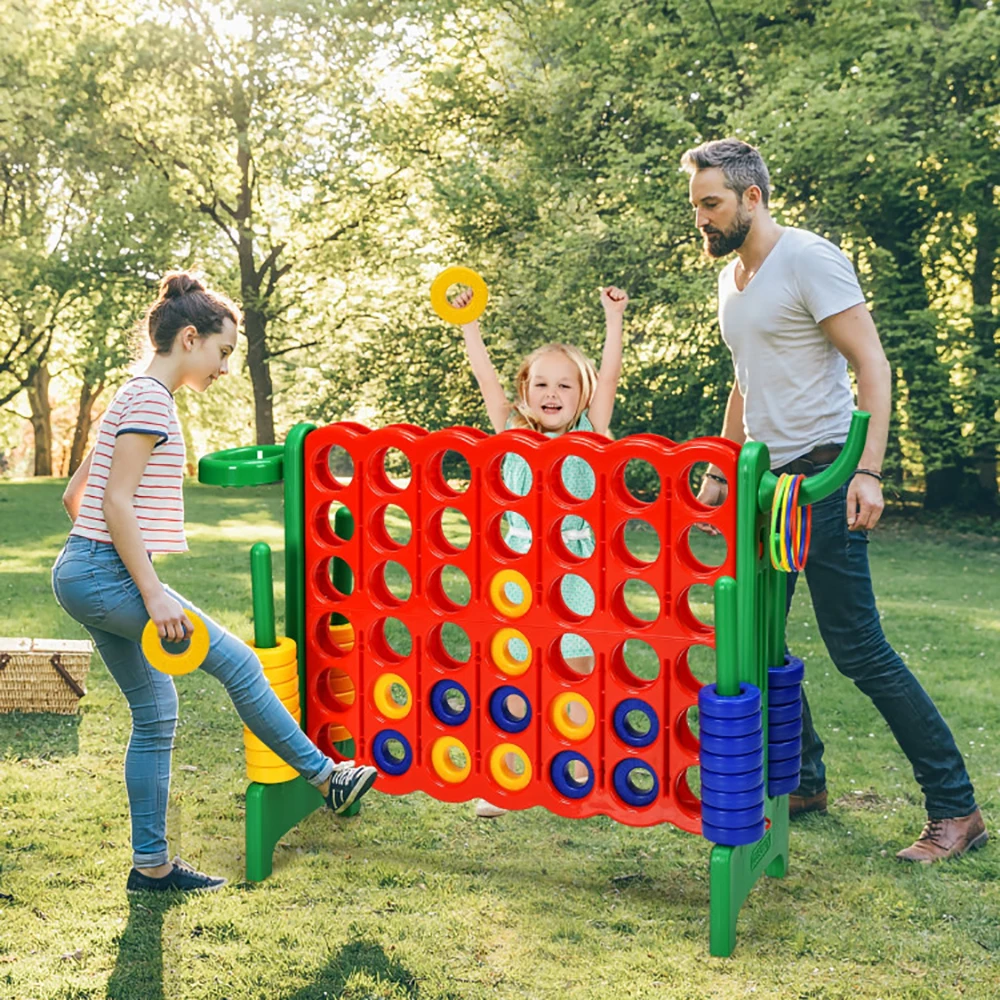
178 283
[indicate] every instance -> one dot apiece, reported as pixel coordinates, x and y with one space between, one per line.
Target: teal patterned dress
578 478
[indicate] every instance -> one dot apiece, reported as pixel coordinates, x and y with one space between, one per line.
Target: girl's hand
460 301
614 300
172 622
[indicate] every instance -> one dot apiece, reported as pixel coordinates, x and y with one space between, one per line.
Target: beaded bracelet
868 472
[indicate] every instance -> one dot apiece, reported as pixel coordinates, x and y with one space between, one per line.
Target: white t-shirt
796 391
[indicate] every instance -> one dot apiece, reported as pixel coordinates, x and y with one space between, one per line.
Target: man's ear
752 197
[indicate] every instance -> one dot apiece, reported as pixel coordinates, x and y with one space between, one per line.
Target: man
793 315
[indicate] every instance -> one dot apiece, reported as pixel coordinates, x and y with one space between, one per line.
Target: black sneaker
183 878
348 783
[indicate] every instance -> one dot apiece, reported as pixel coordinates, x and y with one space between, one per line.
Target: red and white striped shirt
143 405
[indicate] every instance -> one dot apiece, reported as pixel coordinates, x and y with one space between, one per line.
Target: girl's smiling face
553 391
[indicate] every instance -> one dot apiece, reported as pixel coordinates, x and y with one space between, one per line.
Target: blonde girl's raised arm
498 407
602 405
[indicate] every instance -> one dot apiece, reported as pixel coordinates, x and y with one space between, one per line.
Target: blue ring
557 771
719 706
733 838
439 703
721 783
784 696
732 746
501 717
780 715
783 768
721 764
783 786
786 731
628 795
389 764
788 750
786 676
729 727
742 799
731 819
621 723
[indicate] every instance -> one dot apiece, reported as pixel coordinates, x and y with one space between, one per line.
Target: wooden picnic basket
43 675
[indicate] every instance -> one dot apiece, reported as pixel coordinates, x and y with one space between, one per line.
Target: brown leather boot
947 838
799 804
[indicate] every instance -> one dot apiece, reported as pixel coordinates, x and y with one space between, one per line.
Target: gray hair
741 164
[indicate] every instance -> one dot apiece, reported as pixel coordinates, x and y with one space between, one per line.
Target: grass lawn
417 899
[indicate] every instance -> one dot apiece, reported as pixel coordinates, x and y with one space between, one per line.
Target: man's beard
718 242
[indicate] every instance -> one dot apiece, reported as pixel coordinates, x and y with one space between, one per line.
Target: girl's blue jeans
93 586
840 585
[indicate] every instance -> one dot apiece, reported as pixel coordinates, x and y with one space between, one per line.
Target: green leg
273 810
734 870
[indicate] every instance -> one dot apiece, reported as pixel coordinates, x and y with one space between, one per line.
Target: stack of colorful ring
732 765
790 529
784 726
282 672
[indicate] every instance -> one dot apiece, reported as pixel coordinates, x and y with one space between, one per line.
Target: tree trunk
84 421
255 328
41 419
984 325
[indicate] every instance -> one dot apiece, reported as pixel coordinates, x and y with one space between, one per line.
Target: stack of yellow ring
459 276
281 669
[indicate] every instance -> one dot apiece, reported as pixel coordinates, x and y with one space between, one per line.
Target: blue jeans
93 586
840 585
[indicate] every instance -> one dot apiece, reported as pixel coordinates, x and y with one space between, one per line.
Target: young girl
126 503
557 390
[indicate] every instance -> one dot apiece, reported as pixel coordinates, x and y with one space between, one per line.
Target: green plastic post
727 667
262 584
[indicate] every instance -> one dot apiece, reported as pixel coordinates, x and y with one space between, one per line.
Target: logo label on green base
760 851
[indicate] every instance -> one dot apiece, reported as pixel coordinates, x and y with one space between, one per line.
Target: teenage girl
127 504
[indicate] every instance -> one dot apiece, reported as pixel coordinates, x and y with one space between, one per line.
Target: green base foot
734 870
273 810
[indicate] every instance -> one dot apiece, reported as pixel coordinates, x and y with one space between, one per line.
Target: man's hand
712 494
864 502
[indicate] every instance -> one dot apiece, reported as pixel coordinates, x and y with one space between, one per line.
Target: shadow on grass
138 968
367 963
39 734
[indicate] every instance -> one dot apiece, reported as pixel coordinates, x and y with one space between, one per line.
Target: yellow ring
262 758
499 599
559 715
281 675
442 762
502 773
384 701
272 775
459 276
276 656
287 690
176 663
342 636
500 652
341 686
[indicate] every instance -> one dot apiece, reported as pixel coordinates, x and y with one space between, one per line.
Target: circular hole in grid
340 465
699 662
394 750
452 472
641 481
398 695
574 481
514 763
341 576
458 757
449 531
638 723
449 588
573 656
335 690
510 476
573 597
641 540
393 472
641 780
454 701
336 741
688 789
340 521
515 707
699 603
336 634
391 583
391 639
707 551
641 600
636 663
575 536
516 533
692 719
687 734
396 524
450 645
693 480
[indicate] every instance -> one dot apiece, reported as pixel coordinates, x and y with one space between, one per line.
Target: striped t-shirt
143 405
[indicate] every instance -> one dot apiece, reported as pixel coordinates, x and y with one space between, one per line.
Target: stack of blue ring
784 726
732 765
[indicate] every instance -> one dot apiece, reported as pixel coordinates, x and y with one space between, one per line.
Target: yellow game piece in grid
504 775
559 713
459 276
498 593
502 656
443 764
176 664
384 701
